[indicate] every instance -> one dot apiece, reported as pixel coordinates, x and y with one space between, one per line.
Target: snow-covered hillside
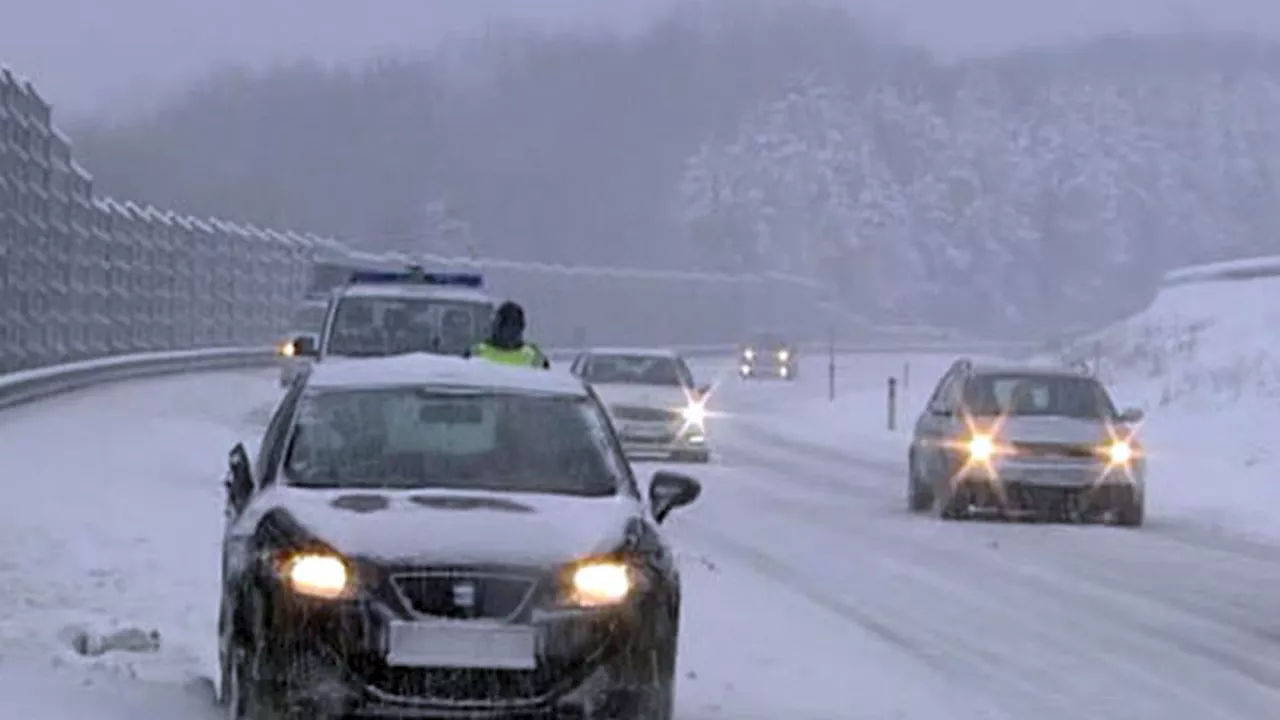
1210 340
1204 361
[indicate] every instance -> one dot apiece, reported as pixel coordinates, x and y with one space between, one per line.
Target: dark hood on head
508 327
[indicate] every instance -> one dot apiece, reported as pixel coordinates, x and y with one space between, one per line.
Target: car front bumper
1068 490
659 440
338 653
766 369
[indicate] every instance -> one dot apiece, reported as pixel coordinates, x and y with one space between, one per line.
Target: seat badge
464 595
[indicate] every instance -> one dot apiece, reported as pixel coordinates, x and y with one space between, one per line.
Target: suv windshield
409 438
634 370
380 326
1030 394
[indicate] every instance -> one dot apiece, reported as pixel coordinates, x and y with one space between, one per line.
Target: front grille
644 414
1054 451
462 595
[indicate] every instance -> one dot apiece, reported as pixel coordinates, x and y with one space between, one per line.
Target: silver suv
1026 442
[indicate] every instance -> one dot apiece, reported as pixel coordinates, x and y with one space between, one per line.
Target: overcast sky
95 56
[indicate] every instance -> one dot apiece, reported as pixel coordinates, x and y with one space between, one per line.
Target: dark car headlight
316 574
603 581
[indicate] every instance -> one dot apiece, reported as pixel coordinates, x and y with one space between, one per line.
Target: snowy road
811 595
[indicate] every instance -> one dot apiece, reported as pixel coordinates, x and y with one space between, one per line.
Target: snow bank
1210 339
1204 361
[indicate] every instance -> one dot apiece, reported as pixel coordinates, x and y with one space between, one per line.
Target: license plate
454 645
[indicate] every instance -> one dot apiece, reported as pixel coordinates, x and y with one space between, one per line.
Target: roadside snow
110 534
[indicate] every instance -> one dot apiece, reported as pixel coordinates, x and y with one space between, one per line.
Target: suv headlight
1120 452
695 413
981 448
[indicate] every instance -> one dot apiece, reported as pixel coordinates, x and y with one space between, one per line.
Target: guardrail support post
892 402
906 375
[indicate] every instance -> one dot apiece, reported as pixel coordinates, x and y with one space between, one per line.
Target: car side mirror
239 482
940 410
669 491
702 391
1131 415
305 346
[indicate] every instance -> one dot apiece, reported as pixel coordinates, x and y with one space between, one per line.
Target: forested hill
1046 187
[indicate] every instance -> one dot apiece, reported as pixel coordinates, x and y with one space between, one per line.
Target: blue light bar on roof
418 276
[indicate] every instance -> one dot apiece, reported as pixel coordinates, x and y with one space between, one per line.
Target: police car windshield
1030 394
381 326
634 370
309 319
409 438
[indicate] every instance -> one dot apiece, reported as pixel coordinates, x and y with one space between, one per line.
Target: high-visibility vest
526 354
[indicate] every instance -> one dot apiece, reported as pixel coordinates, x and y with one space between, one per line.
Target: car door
935 425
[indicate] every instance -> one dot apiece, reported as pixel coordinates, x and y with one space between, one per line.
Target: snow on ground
118 526
1203 361
810 593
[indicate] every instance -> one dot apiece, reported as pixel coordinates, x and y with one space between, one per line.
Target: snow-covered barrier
1212 333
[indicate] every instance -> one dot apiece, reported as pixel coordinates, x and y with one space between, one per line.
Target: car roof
409 290
1025 368
430 370
634 352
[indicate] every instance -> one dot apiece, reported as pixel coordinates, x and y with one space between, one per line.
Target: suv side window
943 392
274 438
686 375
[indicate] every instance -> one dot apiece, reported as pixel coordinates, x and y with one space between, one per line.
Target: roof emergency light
419 276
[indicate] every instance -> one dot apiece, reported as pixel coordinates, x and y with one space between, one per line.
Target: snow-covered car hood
459 526
1064 430
650 396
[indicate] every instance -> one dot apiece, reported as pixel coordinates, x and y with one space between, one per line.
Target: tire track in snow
908 545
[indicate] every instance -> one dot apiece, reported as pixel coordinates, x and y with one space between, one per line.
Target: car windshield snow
381 326
420 438
633 370
1030 394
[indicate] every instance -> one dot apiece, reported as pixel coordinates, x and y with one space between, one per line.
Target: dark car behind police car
471 546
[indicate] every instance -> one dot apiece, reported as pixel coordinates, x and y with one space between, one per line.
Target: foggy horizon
94 59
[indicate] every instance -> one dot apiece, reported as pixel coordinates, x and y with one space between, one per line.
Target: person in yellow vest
506 343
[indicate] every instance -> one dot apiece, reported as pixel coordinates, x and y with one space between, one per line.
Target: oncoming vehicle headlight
598 583
749 354
981 448
1120 452
695 413
320 575
286 349
784 355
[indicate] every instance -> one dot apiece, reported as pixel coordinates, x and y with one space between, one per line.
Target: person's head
508 323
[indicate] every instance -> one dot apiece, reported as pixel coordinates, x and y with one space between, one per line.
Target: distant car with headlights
307 321
768 356
425 537
656 406
1026 442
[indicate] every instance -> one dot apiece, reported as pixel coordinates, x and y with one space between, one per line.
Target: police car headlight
320 575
